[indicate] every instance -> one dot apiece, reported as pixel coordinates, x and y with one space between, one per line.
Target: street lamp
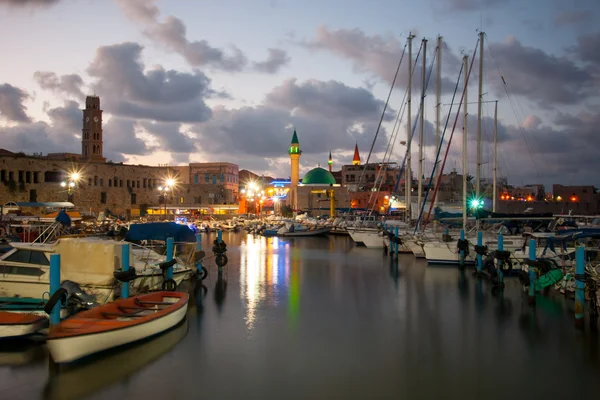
70 183
169 185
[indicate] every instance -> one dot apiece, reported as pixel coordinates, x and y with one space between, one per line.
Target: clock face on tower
87 119
95 119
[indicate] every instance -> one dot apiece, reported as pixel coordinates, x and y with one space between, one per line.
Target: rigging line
384 110
505 86
412 134
408 146
437 185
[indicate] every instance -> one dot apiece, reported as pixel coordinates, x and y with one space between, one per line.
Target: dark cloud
468 5
331 99
327 116
121 139
571 17
378 54
543 78
11 103
60 135
28 3
587 48
169 136
69 84
172 33
277 59
130 91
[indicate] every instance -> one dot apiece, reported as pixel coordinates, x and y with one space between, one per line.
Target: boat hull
70 348
372 239
14 325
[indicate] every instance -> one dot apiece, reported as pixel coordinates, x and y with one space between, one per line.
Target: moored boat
14 324
308 232
115 324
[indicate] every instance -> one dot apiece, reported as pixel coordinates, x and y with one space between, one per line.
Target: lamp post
169 185
70 183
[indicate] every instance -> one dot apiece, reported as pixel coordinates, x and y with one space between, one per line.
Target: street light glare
63 184
75 176
72 184
160 188
170 182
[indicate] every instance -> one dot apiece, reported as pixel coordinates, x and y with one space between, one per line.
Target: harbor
308 317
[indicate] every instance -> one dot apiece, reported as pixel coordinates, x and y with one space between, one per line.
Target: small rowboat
14 324
115 324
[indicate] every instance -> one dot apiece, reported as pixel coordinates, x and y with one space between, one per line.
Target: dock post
220 235
479 259
532 273
462 252
579 286
170 251
500 263
125 267
198 248
396 244
54 286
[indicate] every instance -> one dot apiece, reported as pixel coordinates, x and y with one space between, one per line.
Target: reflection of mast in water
95 373
220 290
294 290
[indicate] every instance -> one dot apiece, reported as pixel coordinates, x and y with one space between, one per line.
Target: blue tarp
160 231
63 218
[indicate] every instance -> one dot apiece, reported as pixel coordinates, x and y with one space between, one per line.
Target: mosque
318 191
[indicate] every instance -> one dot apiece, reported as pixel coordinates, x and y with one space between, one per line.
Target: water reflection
79 380
220 290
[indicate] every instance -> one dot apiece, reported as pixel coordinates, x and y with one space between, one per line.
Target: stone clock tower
91 134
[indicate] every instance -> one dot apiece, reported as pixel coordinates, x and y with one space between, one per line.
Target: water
318 318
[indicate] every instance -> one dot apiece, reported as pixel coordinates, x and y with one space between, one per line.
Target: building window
101 181
207 178
121 183
3 175
32 195
128 183
145 183
196 178
51 176
95 181
222 178
115 181
28 177
103 197
109 183
90 181
182 200
133 198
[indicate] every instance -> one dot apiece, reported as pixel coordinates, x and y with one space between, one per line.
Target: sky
185 81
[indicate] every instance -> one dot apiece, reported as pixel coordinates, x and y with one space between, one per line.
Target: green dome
318 176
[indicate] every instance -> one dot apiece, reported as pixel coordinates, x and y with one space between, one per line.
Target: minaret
295 153
91 134
356 159
330 162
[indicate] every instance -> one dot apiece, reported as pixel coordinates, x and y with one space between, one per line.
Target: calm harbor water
318 318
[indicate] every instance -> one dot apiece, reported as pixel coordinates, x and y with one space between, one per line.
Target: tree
287 211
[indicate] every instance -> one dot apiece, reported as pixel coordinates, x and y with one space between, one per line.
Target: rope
383 113
437 185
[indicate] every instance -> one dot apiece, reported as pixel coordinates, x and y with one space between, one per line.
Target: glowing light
387 197
243 191
558 198
573 198
75 176
170 182
63 184
476 204
160 188
72 184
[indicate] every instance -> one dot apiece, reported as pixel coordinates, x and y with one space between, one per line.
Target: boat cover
160 231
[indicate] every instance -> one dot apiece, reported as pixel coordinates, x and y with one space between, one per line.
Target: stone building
95 185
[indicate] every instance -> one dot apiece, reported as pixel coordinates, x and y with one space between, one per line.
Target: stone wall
118 187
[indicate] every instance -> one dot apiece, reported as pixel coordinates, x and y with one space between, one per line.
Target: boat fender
502 255
202 273
463 244
481 250
199 255
169 285
125 276
167 264
221 260
219 247
60 294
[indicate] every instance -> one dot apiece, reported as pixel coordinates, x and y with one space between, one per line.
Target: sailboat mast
438 102
495 177
479 112
408 174
421 124
464 143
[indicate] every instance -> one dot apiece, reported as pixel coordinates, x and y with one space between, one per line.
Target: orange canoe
115 324
14 324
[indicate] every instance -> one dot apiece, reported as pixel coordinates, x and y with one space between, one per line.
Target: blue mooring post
54 286
220 235
500 263
396 245
198 248
462 252
532 273
125 267
170 249
479 260
579 285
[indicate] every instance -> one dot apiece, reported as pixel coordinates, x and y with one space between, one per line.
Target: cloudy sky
187 81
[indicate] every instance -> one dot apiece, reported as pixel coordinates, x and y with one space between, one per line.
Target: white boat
116 324
14 325
25 270
372 238
307 232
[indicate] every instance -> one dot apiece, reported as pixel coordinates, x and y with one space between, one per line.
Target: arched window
85 150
